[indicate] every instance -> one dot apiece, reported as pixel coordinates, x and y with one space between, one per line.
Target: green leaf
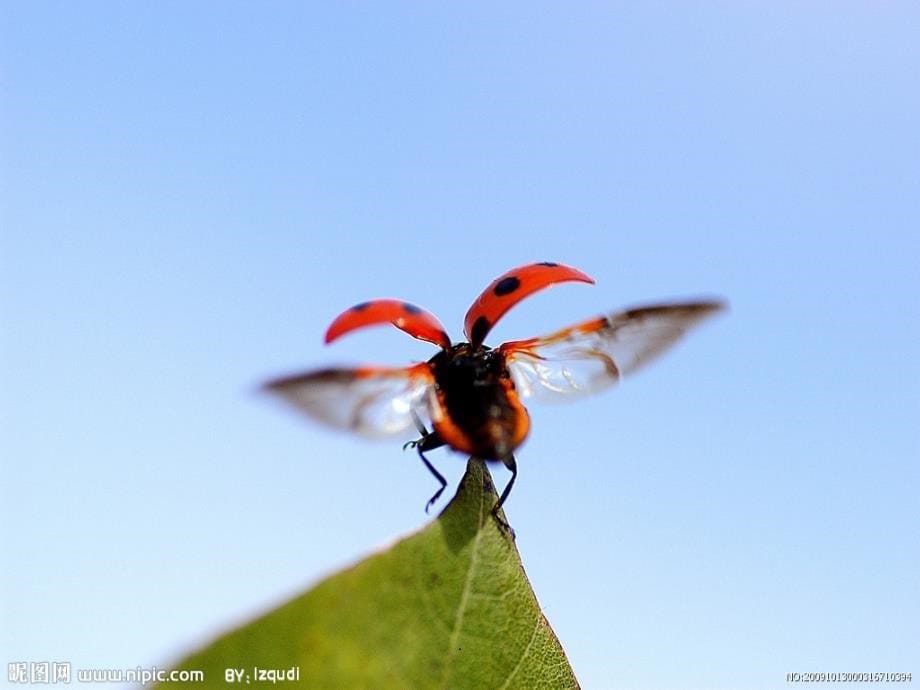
447 607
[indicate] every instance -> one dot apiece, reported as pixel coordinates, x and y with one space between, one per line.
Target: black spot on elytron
480 327
411 308
507 285
547 263
361 307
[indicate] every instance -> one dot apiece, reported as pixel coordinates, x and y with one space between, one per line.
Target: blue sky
190 193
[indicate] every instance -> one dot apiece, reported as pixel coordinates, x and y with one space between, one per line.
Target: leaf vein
517 666
464 596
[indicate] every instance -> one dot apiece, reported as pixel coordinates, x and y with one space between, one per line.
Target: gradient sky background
192 191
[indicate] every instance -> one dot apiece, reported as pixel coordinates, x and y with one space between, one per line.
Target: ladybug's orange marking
421 370
527 345
521 416
452 434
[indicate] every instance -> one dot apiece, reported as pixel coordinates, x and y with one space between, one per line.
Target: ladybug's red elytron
471 393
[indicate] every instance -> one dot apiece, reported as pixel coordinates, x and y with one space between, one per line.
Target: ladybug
469 393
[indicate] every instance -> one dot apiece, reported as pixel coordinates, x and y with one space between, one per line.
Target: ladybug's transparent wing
374 402
594 355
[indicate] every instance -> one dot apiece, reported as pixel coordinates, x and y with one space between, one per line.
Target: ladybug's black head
465 362
467 350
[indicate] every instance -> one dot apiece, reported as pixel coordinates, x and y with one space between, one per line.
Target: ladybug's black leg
428 441
418 425
511 465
